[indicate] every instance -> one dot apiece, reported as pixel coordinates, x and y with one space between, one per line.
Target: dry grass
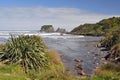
1 64
54 56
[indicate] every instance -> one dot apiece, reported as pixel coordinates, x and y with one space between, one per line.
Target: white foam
6 34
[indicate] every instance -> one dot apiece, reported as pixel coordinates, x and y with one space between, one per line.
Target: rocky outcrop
47 28
61 30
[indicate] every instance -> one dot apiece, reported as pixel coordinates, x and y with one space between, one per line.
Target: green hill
100 28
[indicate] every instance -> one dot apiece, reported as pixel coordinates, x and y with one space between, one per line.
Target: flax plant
28 51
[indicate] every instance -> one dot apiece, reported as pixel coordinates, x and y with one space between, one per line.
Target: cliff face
47 28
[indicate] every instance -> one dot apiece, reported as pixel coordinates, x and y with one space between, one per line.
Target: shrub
29 51
111 40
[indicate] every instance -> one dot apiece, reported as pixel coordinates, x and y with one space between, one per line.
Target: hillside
101 28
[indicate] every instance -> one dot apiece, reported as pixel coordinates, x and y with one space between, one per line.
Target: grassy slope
100 28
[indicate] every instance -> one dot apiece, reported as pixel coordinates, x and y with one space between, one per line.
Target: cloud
32 18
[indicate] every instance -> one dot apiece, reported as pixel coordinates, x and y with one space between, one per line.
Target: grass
12 72
15 72
31 50
56 69
107 72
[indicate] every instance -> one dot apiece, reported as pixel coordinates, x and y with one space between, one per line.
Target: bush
29 51
110 40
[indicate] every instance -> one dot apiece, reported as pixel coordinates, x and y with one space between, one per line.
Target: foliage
112 43
110 40
101 28
29 51
2 46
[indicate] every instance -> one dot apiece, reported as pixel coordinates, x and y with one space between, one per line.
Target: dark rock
82 73
117 59
61 30
79 67
47 28
107 56
96 54
78 60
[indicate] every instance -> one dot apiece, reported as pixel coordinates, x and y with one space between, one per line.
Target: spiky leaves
29 51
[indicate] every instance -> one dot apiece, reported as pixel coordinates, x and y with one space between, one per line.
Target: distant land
101 28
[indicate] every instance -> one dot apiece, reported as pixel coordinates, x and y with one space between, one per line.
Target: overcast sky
32 14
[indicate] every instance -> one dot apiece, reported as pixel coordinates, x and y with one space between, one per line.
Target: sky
68 14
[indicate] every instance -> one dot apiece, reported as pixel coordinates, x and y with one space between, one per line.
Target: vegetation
112 43
29 51
109 28
56 72
103 27
106 72
26 58
12 72
111 39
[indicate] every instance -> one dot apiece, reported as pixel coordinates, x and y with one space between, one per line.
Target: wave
6 34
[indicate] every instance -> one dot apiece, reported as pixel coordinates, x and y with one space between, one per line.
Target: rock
47 28
97 69
79 67
98 45
97 64
96 54
95 58
107 56
117 59
82 73
88 53
102 58
78 60
105 62
61 30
